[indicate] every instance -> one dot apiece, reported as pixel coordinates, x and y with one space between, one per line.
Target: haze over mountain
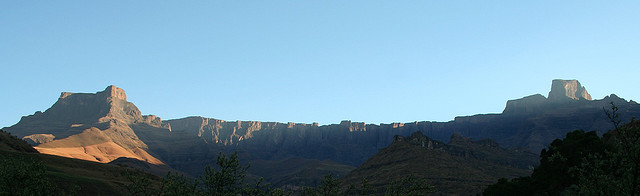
104 126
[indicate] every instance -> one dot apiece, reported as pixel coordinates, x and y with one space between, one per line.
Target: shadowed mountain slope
462 167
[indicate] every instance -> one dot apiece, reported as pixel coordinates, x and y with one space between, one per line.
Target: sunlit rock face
566 90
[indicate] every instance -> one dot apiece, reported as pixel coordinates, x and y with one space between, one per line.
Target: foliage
329 186
24 176
552 176
365 187
517 186
139 183
174 184
228 179
584 164
13 143
409 185
617 170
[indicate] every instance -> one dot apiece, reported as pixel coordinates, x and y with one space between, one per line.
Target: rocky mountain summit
90 126
562 92
565 90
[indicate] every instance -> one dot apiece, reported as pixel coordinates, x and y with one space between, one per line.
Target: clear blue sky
314 61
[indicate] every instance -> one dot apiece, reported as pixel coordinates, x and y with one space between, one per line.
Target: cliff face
565 90
347 142
528 104
530 123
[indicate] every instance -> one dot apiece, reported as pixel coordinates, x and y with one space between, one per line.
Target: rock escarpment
528 104
529 123
566 90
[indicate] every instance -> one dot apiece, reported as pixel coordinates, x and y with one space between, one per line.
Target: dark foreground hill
24 171
463 166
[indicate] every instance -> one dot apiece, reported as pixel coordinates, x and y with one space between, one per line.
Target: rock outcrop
562 92
566 90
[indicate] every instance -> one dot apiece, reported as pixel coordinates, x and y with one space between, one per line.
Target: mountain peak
563 90
110 91
115 92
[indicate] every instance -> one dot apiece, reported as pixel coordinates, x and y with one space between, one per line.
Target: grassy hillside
449 172
58 175
11 143
295 173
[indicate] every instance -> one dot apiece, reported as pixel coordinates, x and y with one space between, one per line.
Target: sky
314 61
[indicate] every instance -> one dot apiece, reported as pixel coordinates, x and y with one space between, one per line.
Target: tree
617 170
24 176
261 189
139 183
409 185
329 186
584 164
228 179
365 187
178 185
553 175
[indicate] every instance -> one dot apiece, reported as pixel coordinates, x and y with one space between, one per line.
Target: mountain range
104 126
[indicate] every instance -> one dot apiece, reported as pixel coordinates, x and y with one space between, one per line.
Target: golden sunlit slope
93 145
67 174
94 127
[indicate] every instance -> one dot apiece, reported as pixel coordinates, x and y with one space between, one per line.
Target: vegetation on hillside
407 186
228 178
584 164
24 171
24 176
10 142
